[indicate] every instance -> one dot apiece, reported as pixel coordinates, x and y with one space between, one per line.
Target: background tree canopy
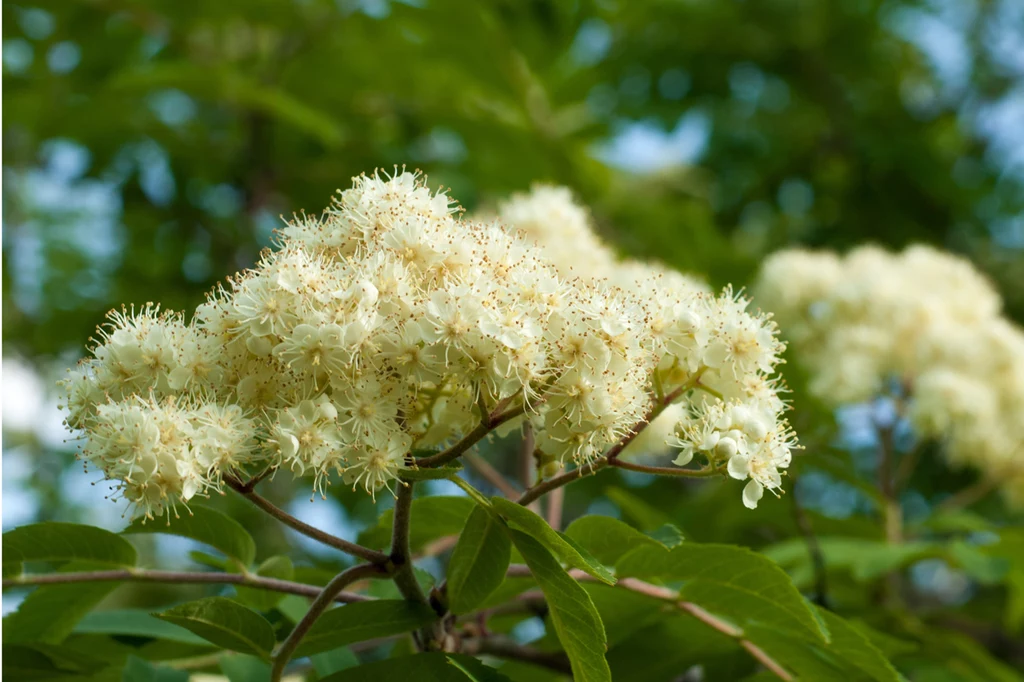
150 148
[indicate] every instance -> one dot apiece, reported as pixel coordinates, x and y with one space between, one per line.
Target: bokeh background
150 148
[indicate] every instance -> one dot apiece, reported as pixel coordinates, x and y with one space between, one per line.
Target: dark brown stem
611 456
491 475
803 524
371 555
140 575
544 487
506 647
892 514
401 559
493 421
323 600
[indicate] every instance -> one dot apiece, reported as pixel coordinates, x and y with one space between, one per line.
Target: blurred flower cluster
389 325
922 325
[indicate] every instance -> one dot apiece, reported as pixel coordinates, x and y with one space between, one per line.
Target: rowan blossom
923 321
390 324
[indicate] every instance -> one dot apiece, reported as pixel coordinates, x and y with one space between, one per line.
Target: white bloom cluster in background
388 325
922 319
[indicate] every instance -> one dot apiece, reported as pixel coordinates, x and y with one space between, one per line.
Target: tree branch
610 457
141 575
803 524
506 647
493 421
491 475
370 555
544 487
326 597
669 595
401 559
555 503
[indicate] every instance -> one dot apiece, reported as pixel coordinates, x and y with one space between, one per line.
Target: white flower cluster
923 318
389 326
736 420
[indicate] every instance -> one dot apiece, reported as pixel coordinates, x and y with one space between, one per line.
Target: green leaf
623 612
139 670
361 621
857 650
334 660
479 561
564 548
54 541
430 667
279 567
866 559
243 668
50 612
293 607
134 622
225 623
573 614
432 518
668 535
432 474
207 526
643 515
663 650
732 582
227 85
46 661
607 539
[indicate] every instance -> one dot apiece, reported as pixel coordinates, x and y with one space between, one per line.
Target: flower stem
666 471
491 422
371 555
323 600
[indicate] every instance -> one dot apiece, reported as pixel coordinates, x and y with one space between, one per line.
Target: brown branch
803 524
401 558
669 595
506 647
555 503
370 555
610 457
323 600
491 475
491 422
140 575
544 487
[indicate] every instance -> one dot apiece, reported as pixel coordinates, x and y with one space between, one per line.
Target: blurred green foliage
150 147
195 125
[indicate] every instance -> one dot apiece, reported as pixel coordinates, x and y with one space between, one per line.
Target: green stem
477 496
666 471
